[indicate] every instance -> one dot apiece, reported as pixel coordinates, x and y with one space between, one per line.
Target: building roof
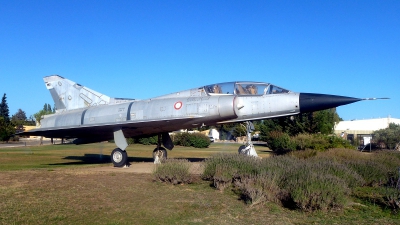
368 124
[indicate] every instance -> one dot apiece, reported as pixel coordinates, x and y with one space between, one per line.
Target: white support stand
248 147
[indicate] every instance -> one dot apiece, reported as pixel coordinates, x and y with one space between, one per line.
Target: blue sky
142 49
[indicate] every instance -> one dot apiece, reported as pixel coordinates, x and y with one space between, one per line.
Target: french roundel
178 105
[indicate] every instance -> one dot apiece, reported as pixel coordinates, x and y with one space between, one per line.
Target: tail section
69 95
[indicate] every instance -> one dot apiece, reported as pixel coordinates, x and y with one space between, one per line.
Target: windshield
276 90
222 88
243 88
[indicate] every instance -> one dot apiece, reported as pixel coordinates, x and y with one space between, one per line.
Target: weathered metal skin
85 113
161 112
89 116
266 106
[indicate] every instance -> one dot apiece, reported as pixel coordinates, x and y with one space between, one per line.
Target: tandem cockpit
244 88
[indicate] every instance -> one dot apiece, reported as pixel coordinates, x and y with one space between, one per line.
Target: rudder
68 95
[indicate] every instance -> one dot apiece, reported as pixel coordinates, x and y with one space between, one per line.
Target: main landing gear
119 157
248 147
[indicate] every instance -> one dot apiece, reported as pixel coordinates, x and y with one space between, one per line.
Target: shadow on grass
104 159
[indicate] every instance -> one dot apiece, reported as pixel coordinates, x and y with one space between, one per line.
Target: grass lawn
53 185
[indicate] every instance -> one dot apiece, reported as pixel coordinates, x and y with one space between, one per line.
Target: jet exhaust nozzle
310 102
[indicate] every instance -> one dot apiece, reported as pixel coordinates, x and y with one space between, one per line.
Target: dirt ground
144 168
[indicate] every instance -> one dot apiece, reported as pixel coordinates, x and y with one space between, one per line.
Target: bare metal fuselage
89 116
86 114
181 110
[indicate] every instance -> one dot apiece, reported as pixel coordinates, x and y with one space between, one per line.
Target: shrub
373 172
337 169
182 139
243 165
259 188
319 142
343 155
130 141
14 138
200 140
304 154
278 140
338 142
386 197
392 194
196 140
148 140
317 184
224 174
175 171
315 191
302 141
389 159
310 179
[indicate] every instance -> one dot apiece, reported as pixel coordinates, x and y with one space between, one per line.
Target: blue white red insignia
178 105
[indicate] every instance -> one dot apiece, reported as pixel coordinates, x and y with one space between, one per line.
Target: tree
19 116
47 108
226 131
45 111
19 119
6 129
38 116
4 112
390 136
313 122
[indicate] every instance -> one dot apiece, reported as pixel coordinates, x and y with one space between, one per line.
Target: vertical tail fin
69 95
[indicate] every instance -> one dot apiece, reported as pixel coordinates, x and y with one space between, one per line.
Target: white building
362 128
213 133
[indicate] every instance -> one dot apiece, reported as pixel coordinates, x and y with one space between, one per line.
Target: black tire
119 158
241 148
162 153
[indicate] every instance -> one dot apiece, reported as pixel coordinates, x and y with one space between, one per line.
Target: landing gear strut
248 148
159 153
119 157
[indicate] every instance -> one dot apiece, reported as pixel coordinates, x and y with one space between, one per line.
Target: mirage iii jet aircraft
89 116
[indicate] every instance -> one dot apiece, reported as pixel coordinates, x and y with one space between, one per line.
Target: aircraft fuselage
89 116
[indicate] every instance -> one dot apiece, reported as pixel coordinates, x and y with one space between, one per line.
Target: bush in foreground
309 181
174 171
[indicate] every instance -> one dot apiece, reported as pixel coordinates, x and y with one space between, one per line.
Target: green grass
56 156
52 185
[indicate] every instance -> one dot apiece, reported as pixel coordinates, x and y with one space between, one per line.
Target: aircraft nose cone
310 102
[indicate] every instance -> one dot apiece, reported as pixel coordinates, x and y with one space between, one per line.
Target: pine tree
4 112
20 116
49 108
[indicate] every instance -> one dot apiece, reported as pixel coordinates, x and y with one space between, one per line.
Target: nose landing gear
248 147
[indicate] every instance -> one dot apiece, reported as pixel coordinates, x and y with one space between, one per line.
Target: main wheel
119 158
159 154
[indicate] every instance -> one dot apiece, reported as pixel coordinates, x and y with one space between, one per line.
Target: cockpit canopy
243 88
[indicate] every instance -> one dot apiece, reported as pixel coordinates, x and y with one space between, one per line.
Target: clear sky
142 49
